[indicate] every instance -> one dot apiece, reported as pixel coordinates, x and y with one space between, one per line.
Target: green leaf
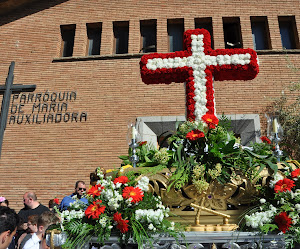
229 147
262 166
268 228
273 166
147 159
124 157
179 149
256 155
147 164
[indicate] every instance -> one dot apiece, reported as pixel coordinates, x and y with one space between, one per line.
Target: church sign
47 107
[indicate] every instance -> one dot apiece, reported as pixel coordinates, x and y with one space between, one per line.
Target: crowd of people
27 229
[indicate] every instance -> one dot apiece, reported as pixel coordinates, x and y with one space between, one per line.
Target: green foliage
80 234
268 228
217 151
148 156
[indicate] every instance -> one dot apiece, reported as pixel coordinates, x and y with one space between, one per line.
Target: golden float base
212 228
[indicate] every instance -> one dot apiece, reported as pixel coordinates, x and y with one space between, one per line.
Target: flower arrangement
117 205
279 207
206 151
197 65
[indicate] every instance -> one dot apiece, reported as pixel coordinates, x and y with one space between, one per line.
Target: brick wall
49 157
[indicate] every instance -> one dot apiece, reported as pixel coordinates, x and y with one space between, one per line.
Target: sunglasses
84 189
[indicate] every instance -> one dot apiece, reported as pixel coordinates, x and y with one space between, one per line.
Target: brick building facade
94 96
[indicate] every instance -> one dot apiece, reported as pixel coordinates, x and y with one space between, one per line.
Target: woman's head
3 201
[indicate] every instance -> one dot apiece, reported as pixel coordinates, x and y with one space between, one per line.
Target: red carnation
121 224
295 173
210 120
284 185
121 179
56 200
265 139
194 135
283 221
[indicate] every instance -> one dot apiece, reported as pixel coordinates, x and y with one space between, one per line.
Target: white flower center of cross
198 61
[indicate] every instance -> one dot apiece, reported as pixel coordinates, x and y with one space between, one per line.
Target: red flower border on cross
220 72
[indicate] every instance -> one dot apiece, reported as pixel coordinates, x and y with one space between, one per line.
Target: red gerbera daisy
95 190
135 193
56 200
121 179
194 135
210 120
95 210
121 224
284 185
265 139
295 173
283 221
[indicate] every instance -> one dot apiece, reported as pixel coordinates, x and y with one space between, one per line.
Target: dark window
260 33
148 35
67 35
288 32
94 38
121 34
175 33
205 23
232 32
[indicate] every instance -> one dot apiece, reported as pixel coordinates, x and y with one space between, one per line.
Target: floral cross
197 65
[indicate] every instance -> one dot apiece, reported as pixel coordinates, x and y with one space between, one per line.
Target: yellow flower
109 170
124 167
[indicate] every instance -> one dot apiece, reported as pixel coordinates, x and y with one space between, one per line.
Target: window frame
232 21
96 29
263 21
119 27
144 25
175 22
65 30
294 33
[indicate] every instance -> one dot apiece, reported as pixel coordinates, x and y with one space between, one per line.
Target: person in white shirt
9 221
44 221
